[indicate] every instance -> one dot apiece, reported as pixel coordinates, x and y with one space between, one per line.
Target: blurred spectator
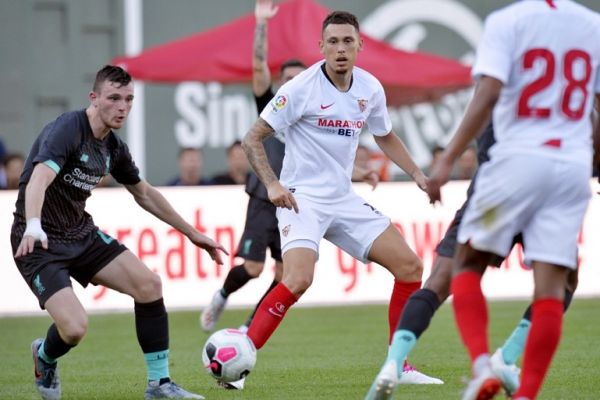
363 157
2 149
2 171
466 164
13 167
435 156
238 167
190 162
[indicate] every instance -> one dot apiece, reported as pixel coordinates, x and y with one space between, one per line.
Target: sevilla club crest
362 104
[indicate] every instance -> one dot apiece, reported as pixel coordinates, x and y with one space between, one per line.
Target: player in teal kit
54 239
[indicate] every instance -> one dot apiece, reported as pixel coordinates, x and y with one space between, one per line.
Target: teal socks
403 342
157 364
43 356
515 344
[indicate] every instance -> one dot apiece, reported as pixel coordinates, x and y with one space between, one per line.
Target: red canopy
224 54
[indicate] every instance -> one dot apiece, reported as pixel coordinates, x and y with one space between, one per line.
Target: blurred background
51 50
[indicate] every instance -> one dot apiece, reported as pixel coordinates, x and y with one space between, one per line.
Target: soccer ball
229 355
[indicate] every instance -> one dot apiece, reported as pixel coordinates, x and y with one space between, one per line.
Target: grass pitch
317 353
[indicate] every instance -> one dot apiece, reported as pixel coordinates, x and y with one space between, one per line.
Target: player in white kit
322 112
537 69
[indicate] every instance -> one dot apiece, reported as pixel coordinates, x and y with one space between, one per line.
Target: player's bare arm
477 116
367 175
255 151
261 76
41 177
151 200
395 149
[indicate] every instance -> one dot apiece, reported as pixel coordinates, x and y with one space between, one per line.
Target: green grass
318 353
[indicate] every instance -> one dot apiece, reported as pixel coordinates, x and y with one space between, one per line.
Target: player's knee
149 290
298 284
439 279
572 281
254 269
73 332
411 270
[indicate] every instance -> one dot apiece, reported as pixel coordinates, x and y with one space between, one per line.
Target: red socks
400 294
269 314
470 313
546 326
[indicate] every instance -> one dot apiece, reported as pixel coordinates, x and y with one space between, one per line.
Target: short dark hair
186 149
233 146
292 62
437 149
111 73
12 156
341 18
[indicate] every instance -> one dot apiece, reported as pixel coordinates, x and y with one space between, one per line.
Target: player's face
340 46
237 159
113 103
288 73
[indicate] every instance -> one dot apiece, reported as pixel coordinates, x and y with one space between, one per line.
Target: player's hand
439 176
281 197
213 248
371 177
421 180
33 233
264 10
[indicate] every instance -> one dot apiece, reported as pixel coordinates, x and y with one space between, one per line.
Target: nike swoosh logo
275 313
327 106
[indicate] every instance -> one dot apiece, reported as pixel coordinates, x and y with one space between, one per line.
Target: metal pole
136 129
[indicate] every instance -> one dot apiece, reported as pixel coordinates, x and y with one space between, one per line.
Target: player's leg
276 280
127 274
505 358
237 277
513 347
274 244
260 228
423 303
391 251
416 317
301 234
471 315
239 384
546 325
298 271
551 242
504 201
48 278
69 327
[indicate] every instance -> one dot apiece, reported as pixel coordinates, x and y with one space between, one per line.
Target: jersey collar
329 79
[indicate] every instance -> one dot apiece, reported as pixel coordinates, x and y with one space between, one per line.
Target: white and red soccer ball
229 355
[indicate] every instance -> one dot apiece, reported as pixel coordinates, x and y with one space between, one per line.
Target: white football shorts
348 222
543 198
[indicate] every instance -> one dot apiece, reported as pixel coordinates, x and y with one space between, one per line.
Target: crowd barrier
190 277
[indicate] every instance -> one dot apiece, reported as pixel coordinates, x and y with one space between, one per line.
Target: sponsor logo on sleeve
279 102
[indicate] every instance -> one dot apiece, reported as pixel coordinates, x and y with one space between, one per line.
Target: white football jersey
547 54
321 126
